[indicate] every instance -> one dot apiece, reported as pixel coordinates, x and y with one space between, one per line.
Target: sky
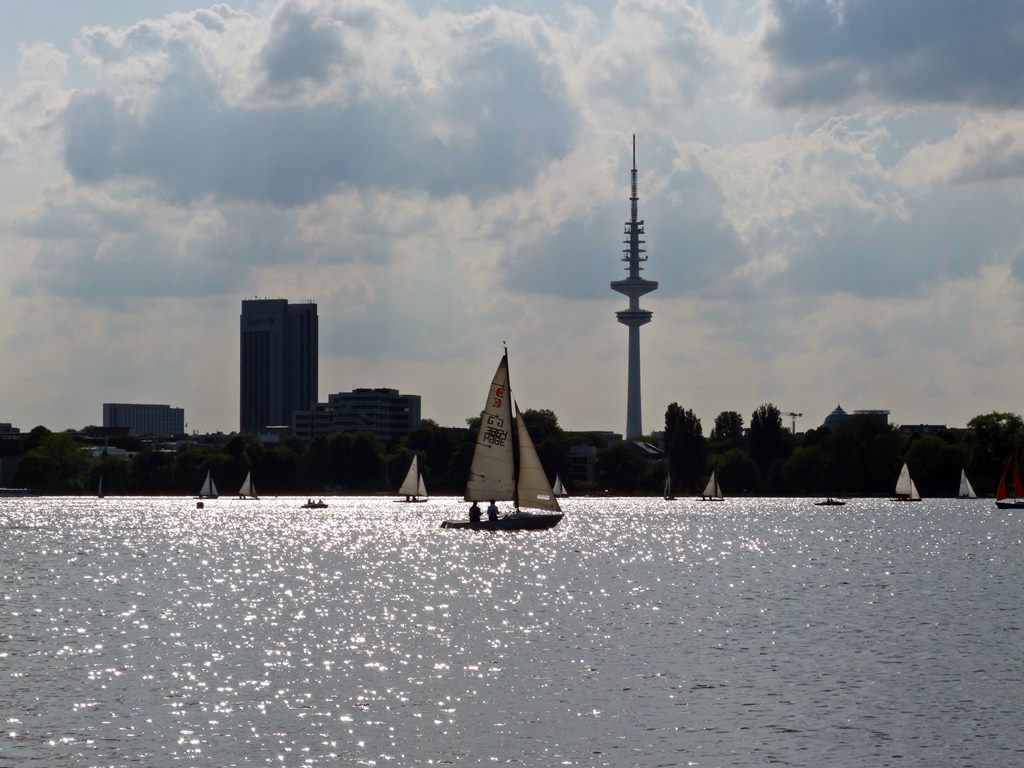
832 194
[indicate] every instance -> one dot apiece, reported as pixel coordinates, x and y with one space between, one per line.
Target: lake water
639 632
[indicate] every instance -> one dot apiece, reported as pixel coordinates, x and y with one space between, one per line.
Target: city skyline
831 192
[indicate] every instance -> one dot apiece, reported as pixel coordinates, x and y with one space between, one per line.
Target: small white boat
713 491
559 488
209 489
966 490
248 490
413 488
905 488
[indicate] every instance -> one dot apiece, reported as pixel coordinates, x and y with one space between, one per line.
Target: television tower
634 287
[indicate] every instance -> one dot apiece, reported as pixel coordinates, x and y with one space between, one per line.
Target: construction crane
794 417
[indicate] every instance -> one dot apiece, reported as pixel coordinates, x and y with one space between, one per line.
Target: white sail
712 489
966 491
413 484
904 484
247 489
559 488
914 495
209 489
533 489
492 471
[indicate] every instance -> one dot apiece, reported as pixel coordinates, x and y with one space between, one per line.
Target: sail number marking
495 432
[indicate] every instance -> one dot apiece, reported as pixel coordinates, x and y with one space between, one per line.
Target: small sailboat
669 496
905 488
248 490
559 488
713 491
1003 498
506 467
413 488
966 491
209 489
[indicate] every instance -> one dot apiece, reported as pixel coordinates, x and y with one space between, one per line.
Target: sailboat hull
508 523
1010 504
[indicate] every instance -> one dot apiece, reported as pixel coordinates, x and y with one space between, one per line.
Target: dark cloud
300 47
511 110
946 237
690 249
918 51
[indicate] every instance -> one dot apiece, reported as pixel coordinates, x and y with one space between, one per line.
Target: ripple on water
639 632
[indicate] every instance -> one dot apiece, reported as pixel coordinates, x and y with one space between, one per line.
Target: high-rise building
278 372
633 317
385 413
143 419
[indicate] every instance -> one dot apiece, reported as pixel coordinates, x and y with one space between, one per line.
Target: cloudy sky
832 193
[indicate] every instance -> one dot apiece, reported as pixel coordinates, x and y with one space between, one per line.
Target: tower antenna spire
633 317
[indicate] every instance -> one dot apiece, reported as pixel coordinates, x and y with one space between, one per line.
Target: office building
142 419
278 362
384 413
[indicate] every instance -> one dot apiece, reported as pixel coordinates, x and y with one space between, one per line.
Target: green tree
737 472
865 455
621 469
728 426
991 439
767 436
55 465
935 465
685 447
806 471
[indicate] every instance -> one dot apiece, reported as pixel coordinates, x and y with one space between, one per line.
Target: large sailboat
413 488
248 490
505 466
966 490
1003 498
713 491
209 489
905 488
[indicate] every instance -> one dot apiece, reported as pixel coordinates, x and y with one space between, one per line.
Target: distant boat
713 491
966 491
905 488
830 502
99 492
1003 499
209 489
310 504
498 472
248 490
559 489
669 496
413 486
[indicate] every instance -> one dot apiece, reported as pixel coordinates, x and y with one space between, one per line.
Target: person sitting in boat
474 513
492 511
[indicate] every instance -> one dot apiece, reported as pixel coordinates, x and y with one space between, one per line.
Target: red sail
1018 487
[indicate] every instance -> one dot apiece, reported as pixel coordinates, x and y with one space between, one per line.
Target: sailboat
248 490
505 466
905 488
99 493
966 491
713 491
209 489
559 488
413 487
1003 499
669 496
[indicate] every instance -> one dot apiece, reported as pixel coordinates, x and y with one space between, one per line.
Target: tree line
861 457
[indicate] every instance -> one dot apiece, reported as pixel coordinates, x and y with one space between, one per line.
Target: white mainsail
492 471
413 484
209 489
533 490
966 491
904 485
247 489
712 489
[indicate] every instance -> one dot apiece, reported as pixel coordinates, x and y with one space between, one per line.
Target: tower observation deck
633 316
